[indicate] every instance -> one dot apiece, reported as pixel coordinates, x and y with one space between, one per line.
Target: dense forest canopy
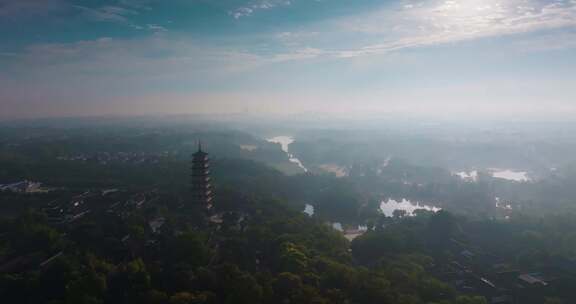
132 237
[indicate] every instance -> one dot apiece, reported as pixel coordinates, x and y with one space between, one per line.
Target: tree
245 289
441 227
189 298
188 248
399 213
375 244
130 282
292 258
286 286
89 288
154 296
470 300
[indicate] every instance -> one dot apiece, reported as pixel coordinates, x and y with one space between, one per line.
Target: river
285 142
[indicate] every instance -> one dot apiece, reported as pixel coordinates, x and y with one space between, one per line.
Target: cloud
123 13
295 38
546 42
80 76
14 9
107 13
156 59
241 12
428 23
299 54
142 5
248 10
156 28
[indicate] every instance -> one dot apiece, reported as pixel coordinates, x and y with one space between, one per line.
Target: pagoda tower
200 179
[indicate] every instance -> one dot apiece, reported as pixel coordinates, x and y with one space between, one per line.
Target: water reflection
285 142
338 226
350 233
309 209
507 174
518 176
388 207
470 176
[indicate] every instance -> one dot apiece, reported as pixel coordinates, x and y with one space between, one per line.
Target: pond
309 210
517 176
470 176
350 232
388 207
507 174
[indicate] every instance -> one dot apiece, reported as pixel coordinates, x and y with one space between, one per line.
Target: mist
288 151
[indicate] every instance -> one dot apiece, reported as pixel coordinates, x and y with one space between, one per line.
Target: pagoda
200 179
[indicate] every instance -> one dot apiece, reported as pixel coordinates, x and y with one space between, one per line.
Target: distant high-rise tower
200 179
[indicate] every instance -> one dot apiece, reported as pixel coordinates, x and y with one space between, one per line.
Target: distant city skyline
468 58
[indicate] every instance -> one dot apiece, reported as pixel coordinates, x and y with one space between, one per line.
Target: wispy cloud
314 62
123 13
426 23
143 5
156 57
108 69
107 13
249 9
14 9
156 28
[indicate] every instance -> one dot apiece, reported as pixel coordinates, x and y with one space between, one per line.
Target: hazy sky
348 57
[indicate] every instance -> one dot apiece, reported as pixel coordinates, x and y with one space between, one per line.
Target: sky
440 58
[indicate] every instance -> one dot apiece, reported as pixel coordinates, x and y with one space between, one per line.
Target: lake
470 176
517 176
388 207
350 233
309 210
507 174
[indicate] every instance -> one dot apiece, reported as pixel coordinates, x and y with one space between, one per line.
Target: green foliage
30 233
188 248
189 298
553 301
441 227
282 256
373 245
287 285
292 258
470 300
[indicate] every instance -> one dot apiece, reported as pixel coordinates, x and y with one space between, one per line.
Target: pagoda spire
200 183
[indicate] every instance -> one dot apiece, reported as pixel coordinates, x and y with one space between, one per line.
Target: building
200 185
